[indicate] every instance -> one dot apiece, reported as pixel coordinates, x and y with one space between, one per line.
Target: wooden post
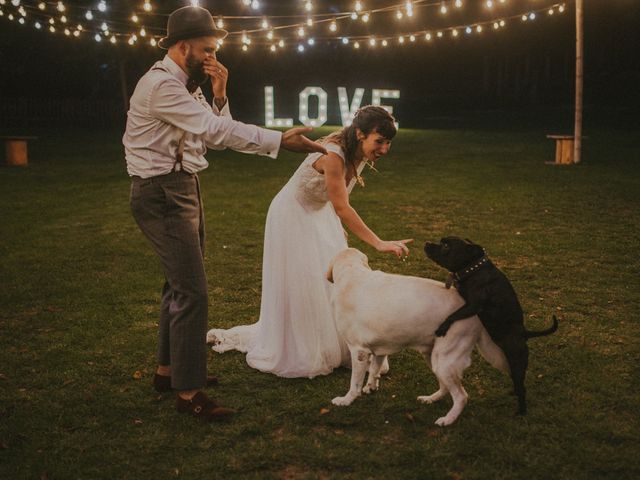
16 151
577 131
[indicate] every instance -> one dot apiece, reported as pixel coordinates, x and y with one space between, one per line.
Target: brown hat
190 22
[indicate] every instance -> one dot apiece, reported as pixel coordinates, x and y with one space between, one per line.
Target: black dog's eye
445 247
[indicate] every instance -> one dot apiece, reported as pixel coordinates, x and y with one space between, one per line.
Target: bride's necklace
371 166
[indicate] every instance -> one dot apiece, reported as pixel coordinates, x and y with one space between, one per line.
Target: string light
299 30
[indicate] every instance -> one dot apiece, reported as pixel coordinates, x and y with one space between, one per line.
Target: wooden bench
564 149
16 150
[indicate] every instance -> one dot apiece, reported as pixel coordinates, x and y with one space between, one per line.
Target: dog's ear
330 272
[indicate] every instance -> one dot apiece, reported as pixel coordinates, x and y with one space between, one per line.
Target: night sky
524 66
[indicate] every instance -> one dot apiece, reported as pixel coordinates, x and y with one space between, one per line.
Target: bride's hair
368 119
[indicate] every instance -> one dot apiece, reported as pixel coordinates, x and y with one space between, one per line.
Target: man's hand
219 76
294 140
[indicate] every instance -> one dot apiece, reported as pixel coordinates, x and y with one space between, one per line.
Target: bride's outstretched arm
334 175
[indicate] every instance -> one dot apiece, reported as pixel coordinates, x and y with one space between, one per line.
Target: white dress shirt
161 110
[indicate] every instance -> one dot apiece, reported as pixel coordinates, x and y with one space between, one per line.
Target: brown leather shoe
202 407
162 383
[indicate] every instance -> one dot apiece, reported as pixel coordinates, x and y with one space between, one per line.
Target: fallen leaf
409 417
456 476
137 374
339 432
324 411
137 421
433 433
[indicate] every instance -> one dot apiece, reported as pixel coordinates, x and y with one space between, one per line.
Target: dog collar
455 278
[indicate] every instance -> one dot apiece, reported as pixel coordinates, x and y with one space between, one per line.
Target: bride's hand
397 247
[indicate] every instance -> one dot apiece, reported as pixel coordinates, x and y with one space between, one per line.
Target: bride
295 335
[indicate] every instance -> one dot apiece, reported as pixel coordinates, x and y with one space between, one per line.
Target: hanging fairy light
427 37
365 17
443 9
60 7
358 6
220 23
265 23
147 8
399 15
344 40
88 15
42 6
102 6
309 22
255 4
270 34
308 6
301 32
458 3
333 26
408 6
134 18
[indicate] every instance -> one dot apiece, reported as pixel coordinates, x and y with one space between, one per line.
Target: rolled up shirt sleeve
171 103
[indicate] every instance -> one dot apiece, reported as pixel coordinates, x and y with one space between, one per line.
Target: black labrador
488 294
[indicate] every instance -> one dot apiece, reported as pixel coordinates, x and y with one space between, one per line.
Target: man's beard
196 71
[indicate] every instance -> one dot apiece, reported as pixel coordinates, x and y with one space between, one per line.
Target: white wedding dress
295 335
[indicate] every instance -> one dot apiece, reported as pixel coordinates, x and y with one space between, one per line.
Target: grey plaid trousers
168 210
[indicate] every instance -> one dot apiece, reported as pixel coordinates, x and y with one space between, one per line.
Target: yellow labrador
379 314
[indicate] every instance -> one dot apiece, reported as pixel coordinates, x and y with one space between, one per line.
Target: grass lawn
80 287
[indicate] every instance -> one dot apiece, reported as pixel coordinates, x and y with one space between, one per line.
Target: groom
169 127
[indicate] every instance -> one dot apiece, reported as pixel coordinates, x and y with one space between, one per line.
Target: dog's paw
444 421
369 388
342 401
429 399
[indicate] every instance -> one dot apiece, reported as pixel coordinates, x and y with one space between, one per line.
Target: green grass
79 292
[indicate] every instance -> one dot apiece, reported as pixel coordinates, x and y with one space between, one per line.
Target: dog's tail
542 333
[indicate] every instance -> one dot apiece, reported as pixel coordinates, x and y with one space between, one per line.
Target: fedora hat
190 22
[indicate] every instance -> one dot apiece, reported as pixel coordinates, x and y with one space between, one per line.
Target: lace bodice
311 190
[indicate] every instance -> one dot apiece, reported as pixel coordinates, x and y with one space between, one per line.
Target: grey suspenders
177 166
